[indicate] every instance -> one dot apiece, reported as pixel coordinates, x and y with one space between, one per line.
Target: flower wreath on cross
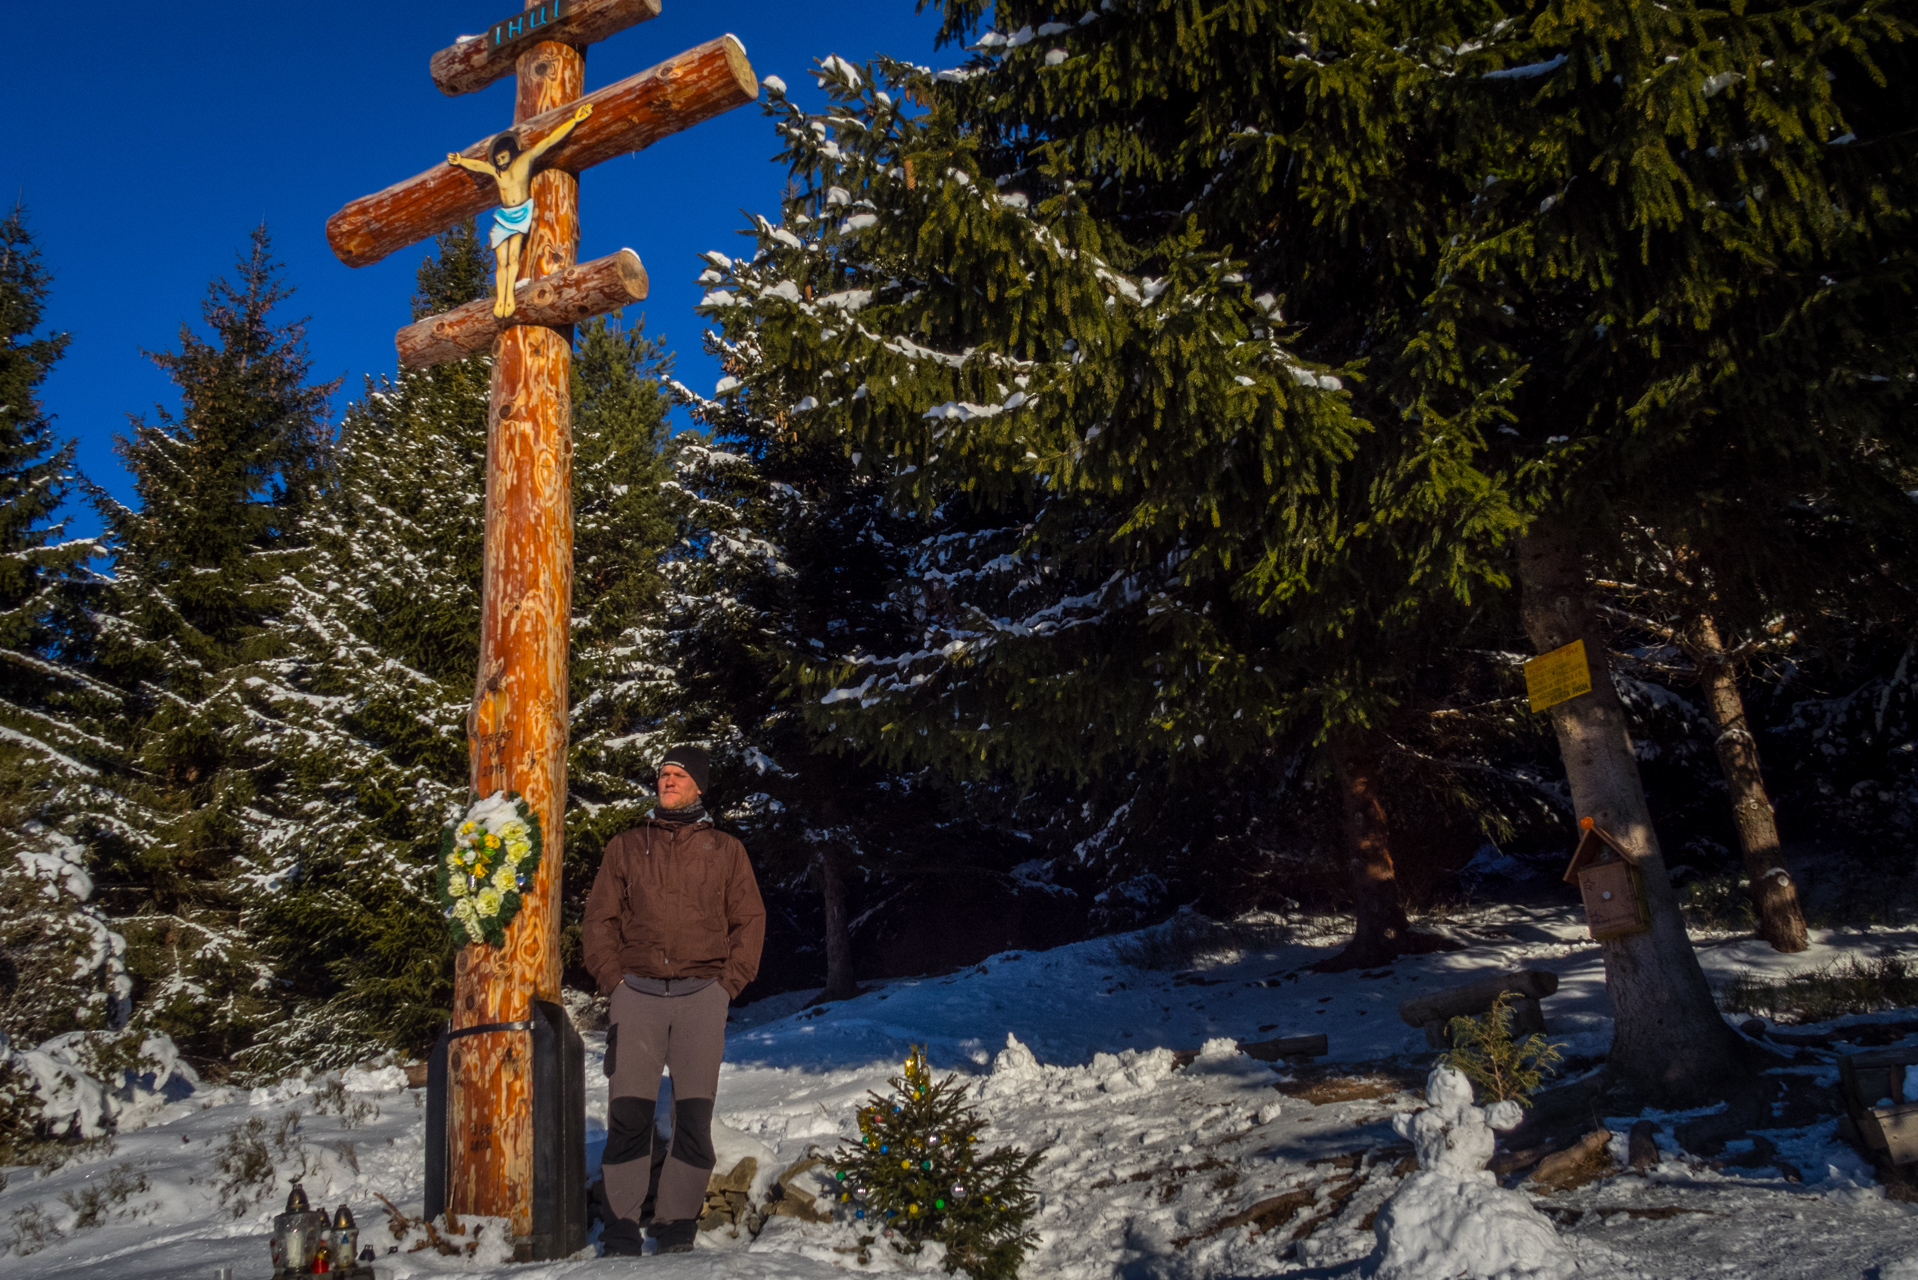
487 864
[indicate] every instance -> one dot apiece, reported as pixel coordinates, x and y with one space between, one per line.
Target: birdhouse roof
1593 847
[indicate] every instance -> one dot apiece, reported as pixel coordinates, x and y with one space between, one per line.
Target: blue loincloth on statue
507 223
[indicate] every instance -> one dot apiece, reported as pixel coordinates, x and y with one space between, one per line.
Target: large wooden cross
517 727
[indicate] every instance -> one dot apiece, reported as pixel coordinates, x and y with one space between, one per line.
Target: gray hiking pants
686 1035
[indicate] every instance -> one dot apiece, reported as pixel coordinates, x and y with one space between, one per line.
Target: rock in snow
1451 1218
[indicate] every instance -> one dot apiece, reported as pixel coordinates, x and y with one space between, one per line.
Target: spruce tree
365 690
1153 530
1688 297
64 965
221 487
1041 291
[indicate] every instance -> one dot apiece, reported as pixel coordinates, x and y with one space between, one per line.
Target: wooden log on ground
629 116
576 293
473 62
1476 997
1313 1046
1285 1047
1588 1158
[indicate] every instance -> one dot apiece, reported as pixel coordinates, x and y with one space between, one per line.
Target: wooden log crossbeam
1473 998
566 297
628 116
473 62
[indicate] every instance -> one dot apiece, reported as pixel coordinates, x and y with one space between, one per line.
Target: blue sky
149 139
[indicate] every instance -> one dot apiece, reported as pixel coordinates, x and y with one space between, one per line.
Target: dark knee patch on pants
693 1132
629 1130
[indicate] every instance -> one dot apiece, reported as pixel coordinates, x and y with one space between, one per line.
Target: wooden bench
1868 1079
1435 1010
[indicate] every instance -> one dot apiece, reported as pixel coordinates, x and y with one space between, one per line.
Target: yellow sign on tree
1558 676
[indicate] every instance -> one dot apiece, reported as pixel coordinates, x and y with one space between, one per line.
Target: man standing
672 933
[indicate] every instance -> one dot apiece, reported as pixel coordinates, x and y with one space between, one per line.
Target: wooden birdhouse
1607 875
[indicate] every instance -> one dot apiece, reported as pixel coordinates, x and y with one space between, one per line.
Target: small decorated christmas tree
916 1174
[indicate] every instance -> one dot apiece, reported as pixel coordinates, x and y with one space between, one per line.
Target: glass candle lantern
343 1239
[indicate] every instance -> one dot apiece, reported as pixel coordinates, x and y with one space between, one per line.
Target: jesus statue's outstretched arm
557 136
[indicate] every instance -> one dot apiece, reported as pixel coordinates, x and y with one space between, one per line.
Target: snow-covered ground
1223 1169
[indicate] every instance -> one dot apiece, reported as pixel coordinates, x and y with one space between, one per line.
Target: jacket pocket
612 1047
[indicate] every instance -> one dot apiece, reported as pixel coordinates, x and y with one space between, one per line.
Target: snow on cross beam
631 115
473 62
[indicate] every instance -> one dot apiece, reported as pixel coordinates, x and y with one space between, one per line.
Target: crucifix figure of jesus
512 169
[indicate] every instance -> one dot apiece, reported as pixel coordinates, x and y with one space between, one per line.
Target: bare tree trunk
829 864
1382 931
1668 1041
1774 895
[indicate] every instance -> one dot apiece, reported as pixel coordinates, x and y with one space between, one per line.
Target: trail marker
1558 676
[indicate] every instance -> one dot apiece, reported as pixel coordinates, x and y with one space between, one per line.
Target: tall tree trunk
1382 931
1774 895
1668 1040
829 864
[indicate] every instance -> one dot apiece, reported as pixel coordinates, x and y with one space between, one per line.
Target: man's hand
585 109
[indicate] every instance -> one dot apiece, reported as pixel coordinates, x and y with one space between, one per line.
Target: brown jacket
674 900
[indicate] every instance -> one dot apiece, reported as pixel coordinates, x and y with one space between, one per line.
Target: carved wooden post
490 1164
519 722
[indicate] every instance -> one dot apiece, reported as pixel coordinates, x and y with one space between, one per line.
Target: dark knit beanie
694 760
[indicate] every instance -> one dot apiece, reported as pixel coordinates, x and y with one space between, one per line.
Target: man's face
676 789
503 160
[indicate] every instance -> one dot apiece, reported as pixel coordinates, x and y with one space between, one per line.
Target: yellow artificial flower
489 901
504 881
456 884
